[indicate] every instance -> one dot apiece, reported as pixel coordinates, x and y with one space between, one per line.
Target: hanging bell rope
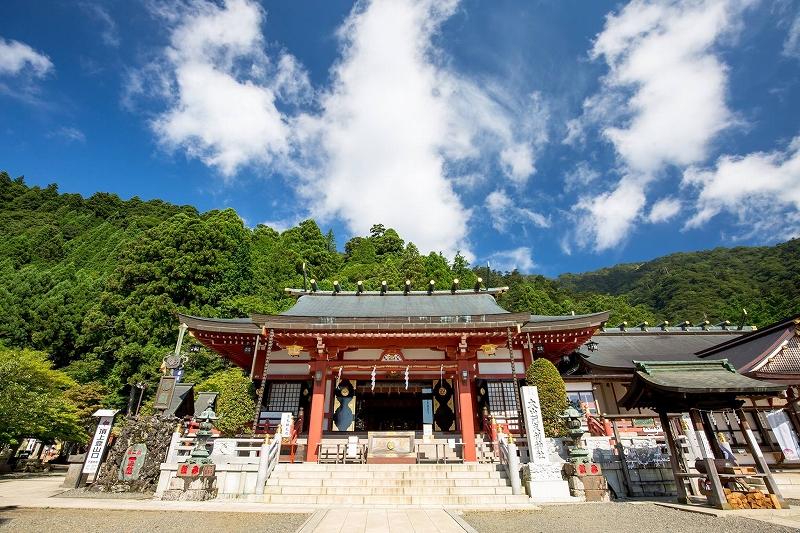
260 399
520 420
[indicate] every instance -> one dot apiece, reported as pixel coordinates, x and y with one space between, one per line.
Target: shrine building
392 360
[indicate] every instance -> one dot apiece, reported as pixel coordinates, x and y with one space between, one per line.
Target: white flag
782 429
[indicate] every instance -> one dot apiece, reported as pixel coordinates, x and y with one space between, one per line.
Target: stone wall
154 431
646 480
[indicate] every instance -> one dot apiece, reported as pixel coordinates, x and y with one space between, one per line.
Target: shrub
552 395
235 404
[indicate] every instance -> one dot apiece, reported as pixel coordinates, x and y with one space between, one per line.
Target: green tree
461 271
552 395
388 244
360 250
32 400
87 400
528 297
437 269
412 267
235 403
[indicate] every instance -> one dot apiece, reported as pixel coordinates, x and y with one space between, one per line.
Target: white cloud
661 104
663 210
508 260
517 162
575 134
761 189
791 46
280 225
69 134
504 213
18 58
398 125
221 87
606 219
388 140
663 52
110 34
581 176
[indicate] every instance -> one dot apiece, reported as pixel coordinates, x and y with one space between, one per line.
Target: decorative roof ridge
674 329
243 320
792 321
493 291
564 317
651 367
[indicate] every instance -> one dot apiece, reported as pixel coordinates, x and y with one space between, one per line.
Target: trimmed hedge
552 395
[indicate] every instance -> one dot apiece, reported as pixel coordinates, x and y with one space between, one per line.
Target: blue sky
551 136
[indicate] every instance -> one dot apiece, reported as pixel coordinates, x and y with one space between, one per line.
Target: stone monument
541 476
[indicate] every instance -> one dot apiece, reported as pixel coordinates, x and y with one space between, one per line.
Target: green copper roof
394 305
676 386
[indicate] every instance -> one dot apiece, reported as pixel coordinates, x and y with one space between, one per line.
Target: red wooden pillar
527 352
317 414
466 402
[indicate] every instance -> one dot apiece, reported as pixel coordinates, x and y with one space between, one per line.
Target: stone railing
510 461
243 465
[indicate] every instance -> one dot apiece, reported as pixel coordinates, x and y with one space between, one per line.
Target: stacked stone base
587 482
544 483
187 489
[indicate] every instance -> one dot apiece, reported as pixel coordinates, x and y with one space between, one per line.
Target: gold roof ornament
489 349
294 350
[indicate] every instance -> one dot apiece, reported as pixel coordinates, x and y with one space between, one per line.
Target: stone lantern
204 432
574 422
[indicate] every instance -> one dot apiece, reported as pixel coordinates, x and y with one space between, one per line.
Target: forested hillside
97 283
716 283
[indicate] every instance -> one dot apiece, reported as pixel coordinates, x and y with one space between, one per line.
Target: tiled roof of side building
746 351
618 351
680 385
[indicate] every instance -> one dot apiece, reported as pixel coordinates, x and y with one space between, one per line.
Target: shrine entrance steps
443 448
390 484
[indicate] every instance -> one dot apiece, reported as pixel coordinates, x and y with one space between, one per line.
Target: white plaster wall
282 355
409 354
500 368
288 369
573 386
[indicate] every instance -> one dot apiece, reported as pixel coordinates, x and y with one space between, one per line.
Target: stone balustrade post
513 467
175 441
263 465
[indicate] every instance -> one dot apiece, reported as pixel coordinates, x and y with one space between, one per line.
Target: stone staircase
388 484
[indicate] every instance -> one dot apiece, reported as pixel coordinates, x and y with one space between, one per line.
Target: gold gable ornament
294 350
489 349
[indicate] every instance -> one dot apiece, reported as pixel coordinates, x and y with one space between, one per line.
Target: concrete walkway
38 492
364 519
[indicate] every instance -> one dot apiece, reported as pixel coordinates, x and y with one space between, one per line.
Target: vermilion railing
596 427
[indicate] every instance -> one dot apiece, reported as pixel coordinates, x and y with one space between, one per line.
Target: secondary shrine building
372 361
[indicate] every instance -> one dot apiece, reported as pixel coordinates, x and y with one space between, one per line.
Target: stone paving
19 495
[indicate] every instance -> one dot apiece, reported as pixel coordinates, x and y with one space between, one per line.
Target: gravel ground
20 520
616 517
582 518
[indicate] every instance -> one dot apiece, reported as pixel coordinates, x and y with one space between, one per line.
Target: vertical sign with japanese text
286 425
95 453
